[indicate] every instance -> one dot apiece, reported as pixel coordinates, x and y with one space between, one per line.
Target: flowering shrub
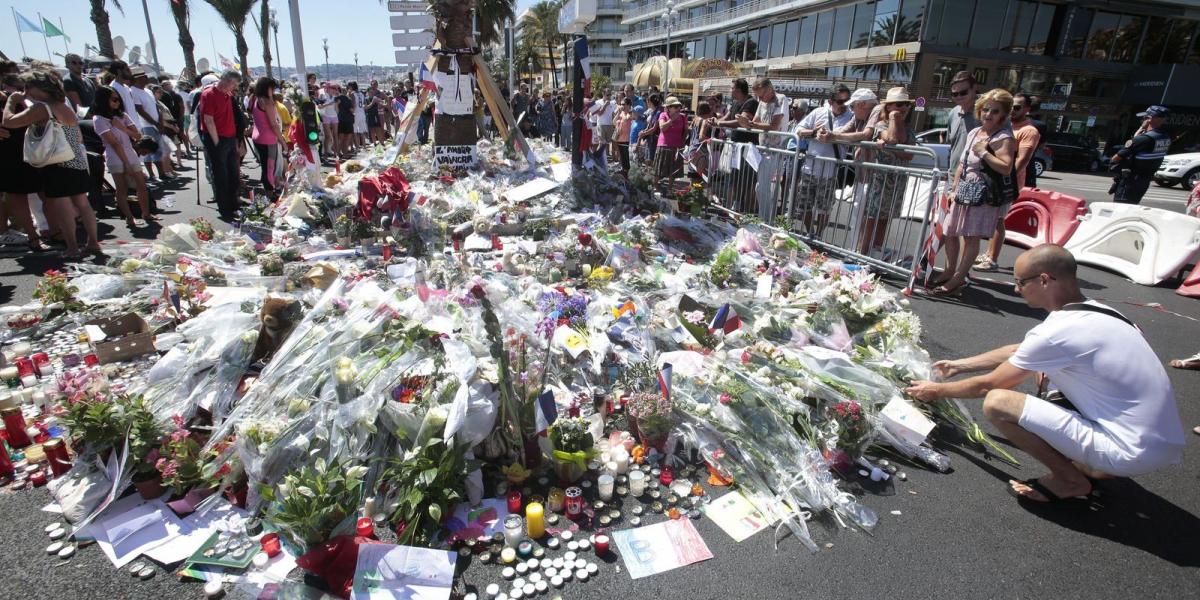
184 466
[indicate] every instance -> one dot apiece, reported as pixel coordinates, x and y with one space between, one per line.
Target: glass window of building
808 32
1014 35
884 31
792 36
943 74
1129 34
1177 43
988 23
824 29
934 26
764 42
843 19
1157 32
1039 35
719 49
956 22
1102 35
1193 57
733 47
1009 79
908 25
777 39
864 20
1079 22
1035 82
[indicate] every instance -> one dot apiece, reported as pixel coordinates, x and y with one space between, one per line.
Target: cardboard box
119 338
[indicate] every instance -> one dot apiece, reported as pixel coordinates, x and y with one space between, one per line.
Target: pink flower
177 420
745 356
725 398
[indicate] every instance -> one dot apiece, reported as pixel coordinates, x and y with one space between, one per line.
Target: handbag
1003 187
50 147
844 175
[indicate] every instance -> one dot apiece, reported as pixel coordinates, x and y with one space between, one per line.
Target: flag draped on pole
581 53
52 30
547 412
427 79
24 25
664 381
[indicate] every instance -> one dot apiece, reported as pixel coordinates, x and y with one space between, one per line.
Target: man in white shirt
603 112
1122 419
146 107
123 84
814 196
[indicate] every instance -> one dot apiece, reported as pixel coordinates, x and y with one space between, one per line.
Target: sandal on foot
1051 497
1191 363
952 292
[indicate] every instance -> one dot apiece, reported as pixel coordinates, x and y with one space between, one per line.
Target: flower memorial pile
347 366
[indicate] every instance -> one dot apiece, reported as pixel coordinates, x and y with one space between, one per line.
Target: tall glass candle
14 424
514 530
604 484
574 501
535 520
621 457
514 501
556 500
637 482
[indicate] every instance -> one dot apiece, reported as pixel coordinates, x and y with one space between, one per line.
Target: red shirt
218 105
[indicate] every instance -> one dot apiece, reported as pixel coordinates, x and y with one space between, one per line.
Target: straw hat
673 101
897 95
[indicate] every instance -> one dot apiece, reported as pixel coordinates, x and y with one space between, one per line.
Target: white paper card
386 572
763 288
905 421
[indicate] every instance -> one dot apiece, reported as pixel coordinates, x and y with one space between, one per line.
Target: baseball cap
1155 110
641 110
209 79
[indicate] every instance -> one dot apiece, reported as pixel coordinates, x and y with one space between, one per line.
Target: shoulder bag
1002 187
50 147
845 173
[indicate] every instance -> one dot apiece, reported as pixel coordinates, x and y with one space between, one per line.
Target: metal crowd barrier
871 205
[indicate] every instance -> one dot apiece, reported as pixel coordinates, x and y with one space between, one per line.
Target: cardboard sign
457 96
454 156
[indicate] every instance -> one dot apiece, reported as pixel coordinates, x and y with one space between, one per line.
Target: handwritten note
661 547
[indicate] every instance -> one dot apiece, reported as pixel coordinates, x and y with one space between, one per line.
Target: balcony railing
656 7
711 19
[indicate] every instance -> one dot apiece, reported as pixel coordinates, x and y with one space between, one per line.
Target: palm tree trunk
264 20
103 33
553 67
179 10
243 54
453 29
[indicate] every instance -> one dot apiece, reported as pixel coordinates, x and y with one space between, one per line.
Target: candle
525 550
601 542
56 454
514 530
14 423
605 485
39 398
41 364
637 482
369 507
535 520
270 544
621 457
514 501
507 556
24 366
21 348
29 380
556 500
667 475
610 467
574 502
365 527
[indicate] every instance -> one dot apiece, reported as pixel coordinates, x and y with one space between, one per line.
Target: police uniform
1139 162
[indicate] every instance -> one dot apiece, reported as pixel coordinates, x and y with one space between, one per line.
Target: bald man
1118 417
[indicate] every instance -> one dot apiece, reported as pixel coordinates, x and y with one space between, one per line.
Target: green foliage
100 424
427 484
145 436
571 435
312 501
722 270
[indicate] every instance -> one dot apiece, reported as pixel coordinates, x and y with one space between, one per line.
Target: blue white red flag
726 319
547 412
664 380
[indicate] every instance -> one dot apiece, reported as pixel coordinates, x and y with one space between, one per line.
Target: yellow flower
516 473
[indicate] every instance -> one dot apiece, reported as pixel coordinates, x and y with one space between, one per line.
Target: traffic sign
401 7
920 102
411 56
410 22
419 39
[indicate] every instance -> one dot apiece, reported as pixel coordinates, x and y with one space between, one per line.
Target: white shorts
1085 441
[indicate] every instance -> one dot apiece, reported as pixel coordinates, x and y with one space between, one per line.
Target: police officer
1141 157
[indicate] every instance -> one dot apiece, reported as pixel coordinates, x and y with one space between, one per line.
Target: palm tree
490 17
103 33
183 17
264 28
234 13
541 22
885 33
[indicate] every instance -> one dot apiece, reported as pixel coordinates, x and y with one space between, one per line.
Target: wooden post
500 108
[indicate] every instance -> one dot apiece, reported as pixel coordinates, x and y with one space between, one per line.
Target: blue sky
351 26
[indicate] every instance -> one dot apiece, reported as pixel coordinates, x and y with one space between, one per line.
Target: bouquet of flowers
55 290
312 502
204 229
572 447
185 466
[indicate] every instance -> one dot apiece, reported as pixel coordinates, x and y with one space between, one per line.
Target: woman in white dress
360 113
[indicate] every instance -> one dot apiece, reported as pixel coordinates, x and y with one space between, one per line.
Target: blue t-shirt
636 128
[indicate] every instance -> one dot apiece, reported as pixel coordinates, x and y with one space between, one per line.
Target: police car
1182 169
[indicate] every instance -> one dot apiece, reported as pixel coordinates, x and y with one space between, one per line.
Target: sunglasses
1020 281
839 100
960 94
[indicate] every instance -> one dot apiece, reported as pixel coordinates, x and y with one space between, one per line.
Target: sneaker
985 265
13 238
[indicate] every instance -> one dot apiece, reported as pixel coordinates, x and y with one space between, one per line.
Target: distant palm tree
491 15
264 28
895 27
183 17
103 33
234 13
541 23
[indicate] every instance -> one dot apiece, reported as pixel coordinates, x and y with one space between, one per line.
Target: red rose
585 239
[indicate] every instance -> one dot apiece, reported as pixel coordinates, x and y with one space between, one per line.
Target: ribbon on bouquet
579 458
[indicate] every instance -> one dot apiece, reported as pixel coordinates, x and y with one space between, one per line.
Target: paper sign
736 515
660 547
454 156
570 340
385 572
473 522
763 289
457 96
905 421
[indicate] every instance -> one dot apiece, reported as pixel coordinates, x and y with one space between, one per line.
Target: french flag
427 80
664 381
726 319
546 412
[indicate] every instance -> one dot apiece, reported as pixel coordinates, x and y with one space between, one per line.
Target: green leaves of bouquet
312 501
99 424
55 288
426 484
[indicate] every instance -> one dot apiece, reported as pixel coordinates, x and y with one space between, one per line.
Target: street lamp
275 28
356 77
667 16
325 43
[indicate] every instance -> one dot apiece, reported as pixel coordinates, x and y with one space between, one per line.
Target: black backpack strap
1104 310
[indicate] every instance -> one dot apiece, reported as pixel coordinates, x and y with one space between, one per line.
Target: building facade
1092 63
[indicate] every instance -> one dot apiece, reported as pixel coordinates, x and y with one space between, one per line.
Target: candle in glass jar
10 375
21 348
535 520
574 501
514 501
14 423
637 482
556 500
24 366
29 381
56 455
601 542
621 457
667 475
605 485
514 530
41 364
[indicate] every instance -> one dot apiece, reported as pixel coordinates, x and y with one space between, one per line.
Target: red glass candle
6 467
387 252
24 366
14 424
365 527
41 364
601 544
574 502
667 475
496 243
38 478
56 455
270 544
91 360
514 501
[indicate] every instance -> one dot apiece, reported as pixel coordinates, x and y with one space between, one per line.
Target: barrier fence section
869 202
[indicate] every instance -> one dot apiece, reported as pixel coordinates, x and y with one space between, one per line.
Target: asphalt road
956 535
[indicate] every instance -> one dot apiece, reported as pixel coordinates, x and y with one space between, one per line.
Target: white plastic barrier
1147 245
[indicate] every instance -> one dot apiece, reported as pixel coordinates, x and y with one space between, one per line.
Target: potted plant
650 418
343 227
145 438
192 473
573 447
312 501
426 485
95 422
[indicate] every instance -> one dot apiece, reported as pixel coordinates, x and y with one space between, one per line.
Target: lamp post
356 76
275 29
325 43
667 15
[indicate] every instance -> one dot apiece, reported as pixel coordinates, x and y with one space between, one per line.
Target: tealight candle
637 483
605 485
508 555
535 520
555 501
601 543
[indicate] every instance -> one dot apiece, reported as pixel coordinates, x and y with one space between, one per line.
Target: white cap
863 95
209 79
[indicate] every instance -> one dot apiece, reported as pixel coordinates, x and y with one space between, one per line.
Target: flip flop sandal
1051 497
1191 363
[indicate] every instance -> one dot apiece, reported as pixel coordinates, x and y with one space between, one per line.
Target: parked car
1182 169
1073 151
936 139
